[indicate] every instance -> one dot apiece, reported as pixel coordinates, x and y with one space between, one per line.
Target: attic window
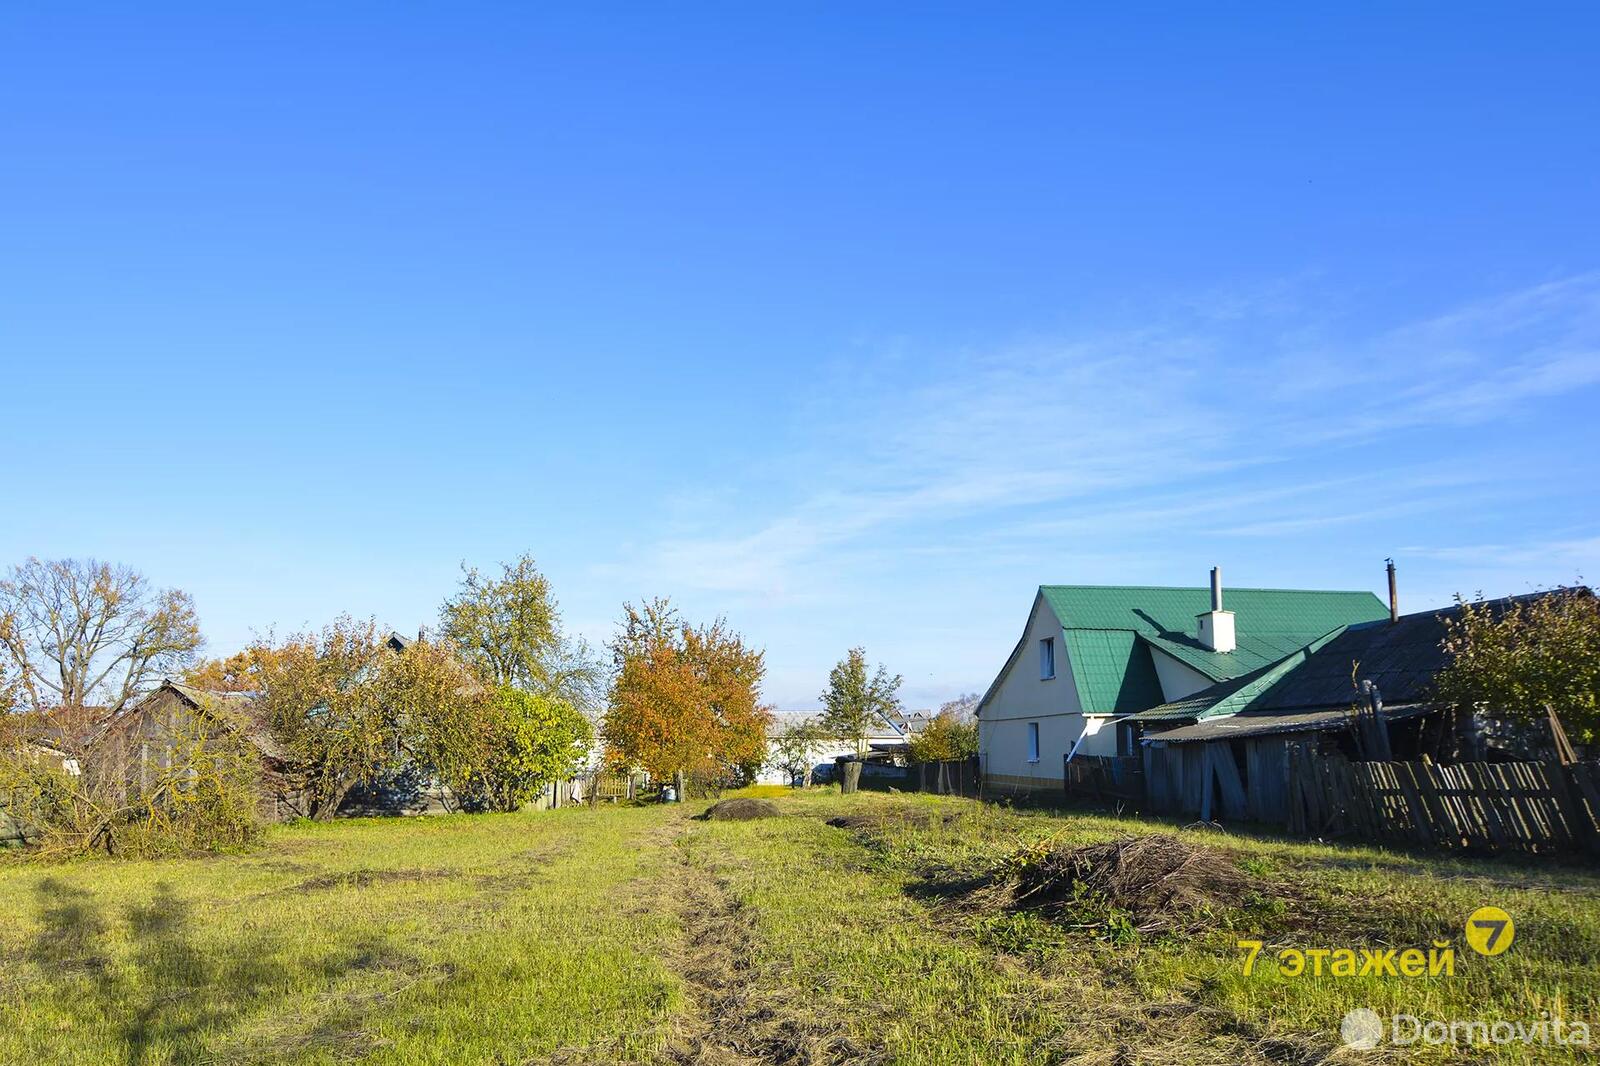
1047 658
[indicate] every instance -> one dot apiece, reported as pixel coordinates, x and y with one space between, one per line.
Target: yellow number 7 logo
1490 931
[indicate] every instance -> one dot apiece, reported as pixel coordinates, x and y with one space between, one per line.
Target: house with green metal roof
1093 656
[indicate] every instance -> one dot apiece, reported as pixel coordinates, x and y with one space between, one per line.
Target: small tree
507 627
686 698
855 703
201 795
946 738
502 624
795 750
79 632
1515 658
532 741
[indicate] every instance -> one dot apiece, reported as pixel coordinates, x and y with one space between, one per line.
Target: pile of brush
1157 883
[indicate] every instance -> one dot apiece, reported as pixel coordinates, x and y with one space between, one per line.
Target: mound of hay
1163 882
740 810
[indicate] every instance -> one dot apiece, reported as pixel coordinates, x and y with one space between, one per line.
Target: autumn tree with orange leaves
685 699
240 672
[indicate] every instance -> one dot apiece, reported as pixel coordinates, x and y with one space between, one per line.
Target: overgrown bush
946 738
1520 658
201 797
498 750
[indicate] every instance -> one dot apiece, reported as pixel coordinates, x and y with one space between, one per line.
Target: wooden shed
129 750
1237 768
1363 691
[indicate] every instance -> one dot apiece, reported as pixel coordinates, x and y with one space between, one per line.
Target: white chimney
1215 627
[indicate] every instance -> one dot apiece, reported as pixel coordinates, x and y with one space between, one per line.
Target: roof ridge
1207 589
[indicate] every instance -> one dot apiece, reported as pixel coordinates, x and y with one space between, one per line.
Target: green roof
1112 669
1110 629
1234 695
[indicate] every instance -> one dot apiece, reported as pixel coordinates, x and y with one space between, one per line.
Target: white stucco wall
1177 679
1019 697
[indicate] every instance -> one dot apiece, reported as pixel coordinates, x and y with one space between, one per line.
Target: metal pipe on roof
1216 588
1394 595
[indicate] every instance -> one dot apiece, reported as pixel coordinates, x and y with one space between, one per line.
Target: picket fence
1524 806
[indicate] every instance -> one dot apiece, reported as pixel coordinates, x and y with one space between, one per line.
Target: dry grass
1159 882
735 1015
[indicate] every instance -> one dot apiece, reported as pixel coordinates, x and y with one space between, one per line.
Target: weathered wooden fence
958 777
608 787
1536 807
1111 779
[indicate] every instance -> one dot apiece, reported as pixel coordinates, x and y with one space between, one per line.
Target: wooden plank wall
1267 777
1531 807
1106 779
1208 780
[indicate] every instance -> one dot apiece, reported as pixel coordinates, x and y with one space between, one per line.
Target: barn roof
238 708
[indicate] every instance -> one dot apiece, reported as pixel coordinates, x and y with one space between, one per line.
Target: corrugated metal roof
1110 629
1237 694
1401 658
1235 726
1112 670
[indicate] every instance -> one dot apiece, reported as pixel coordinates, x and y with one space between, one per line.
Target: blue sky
851 322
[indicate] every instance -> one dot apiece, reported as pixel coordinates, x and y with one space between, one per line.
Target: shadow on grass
166 998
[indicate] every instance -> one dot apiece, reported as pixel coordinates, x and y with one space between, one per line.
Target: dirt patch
872 823
1161 882
740 810
734 1020
364 879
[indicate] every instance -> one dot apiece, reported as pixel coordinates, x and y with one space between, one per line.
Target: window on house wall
1033 741
1047 658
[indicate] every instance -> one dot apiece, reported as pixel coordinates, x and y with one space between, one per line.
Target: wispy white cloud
1576 553
1192 421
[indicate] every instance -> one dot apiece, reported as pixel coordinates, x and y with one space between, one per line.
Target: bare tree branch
71 625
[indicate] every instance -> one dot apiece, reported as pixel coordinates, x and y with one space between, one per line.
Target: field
644 935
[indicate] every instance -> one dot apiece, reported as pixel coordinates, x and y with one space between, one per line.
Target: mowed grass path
641 935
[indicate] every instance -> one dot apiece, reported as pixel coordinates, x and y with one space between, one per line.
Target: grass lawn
642 935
